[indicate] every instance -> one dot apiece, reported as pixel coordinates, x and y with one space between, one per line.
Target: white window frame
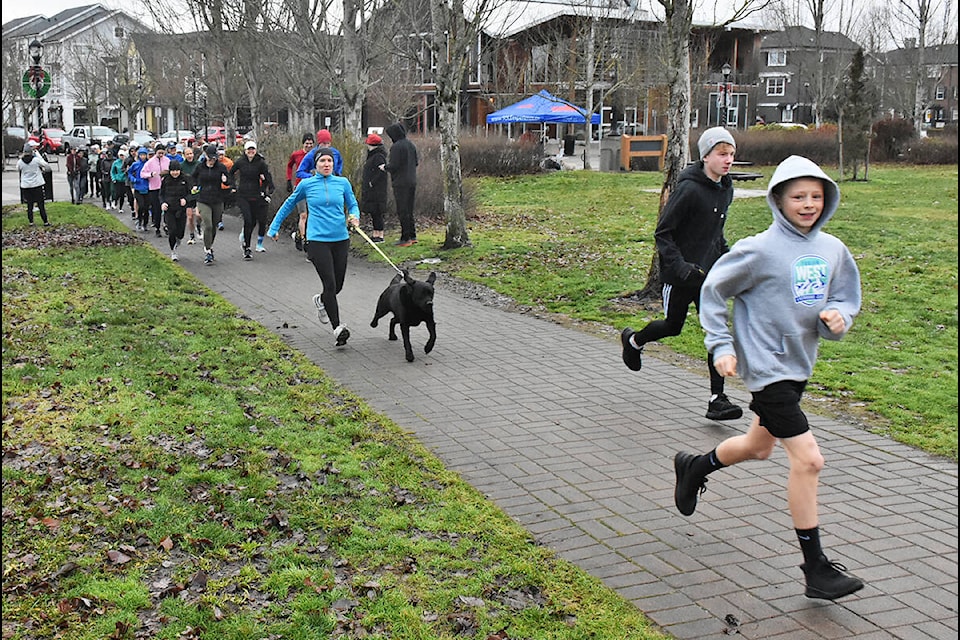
940 92
777 58
773 84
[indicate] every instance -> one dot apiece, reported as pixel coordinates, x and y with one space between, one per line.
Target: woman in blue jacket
331 207
141 187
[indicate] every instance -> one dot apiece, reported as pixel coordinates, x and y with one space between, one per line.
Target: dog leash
374 245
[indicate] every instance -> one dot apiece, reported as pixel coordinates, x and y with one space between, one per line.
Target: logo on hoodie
810 277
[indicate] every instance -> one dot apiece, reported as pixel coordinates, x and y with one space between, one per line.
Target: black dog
411 302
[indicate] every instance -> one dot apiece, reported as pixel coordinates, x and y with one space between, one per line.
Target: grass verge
173 470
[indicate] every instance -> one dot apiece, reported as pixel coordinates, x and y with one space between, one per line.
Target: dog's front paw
392 336
410 357
374 323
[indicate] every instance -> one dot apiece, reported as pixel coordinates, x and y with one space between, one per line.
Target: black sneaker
247 254
631 355
826 580
208 259
720 408
688 487
342 334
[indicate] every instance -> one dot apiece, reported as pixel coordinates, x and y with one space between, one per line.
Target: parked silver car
84 135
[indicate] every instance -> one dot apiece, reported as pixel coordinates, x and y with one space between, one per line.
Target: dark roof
940 54
804 38
63 24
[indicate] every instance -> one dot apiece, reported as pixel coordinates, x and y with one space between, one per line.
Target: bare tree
678 20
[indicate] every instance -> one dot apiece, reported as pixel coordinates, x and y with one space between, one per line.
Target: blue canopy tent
542 107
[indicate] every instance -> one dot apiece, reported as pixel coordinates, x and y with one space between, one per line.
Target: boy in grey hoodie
791 285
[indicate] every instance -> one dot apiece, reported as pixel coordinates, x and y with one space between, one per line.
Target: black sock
810 544
706 464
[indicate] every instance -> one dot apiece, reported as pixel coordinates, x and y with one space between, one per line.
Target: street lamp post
724 94
37 78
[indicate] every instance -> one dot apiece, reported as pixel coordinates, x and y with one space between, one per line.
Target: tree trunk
678 23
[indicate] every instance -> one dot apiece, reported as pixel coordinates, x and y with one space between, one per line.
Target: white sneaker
174 256
342 334
260 248
321 311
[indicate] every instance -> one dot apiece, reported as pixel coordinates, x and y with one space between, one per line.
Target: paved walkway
547 422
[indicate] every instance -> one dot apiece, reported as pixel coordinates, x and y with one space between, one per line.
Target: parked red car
51 140
218 135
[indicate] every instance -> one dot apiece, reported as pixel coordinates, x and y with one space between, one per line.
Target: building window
787 114
776 86
776 58
940 93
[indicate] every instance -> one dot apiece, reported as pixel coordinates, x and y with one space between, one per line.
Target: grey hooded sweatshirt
780 280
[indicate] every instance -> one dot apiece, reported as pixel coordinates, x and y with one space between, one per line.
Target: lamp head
725 70
36 50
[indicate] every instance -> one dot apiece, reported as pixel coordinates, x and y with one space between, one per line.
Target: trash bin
48 185
569 144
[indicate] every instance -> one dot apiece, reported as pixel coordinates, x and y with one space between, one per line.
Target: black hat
174 165
323 151
211 150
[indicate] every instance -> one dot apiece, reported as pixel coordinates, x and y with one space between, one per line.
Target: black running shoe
342 334
688 487
631 355
720 408
826 580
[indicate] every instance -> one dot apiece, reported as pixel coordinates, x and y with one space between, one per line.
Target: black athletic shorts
778 407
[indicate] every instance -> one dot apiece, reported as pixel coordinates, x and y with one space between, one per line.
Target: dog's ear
407 277
432 278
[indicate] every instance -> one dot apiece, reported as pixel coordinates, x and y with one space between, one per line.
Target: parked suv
84 135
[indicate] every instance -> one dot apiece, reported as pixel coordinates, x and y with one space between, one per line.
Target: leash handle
374 245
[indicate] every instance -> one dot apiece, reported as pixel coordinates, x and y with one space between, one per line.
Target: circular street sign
36 82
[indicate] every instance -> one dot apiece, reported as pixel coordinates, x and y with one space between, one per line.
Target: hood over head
396 131
800 167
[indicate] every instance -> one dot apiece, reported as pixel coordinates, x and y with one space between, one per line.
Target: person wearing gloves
254 188
373 192
328 238
174 194
791 285
689 239
31 166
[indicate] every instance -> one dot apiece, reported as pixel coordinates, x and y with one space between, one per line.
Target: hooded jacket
31 167
402 166
689 234
780 280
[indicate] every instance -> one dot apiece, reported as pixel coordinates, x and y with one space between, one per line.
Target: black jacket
374 188
402 166
689 234
208 180
247 174
172 189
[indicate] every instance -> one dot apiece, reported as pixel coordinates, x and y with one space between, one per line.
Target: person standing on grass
791 285
402 167
174 193
31 166
254 187
327 197
689 239
373 191
208 181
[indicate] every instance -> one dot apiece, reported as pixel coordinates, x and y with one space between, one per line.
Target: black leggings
677 301
330 261
176 220
254 215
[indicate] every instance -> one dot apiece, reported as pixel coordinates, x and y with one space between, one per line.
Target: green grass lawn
173 470
574 243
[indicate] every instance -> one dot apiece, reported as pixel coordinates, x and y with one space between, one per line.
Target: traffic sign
36 82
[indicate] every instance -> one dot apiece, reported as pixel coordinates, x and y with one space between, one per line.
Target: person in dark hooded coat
373 193
402 167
